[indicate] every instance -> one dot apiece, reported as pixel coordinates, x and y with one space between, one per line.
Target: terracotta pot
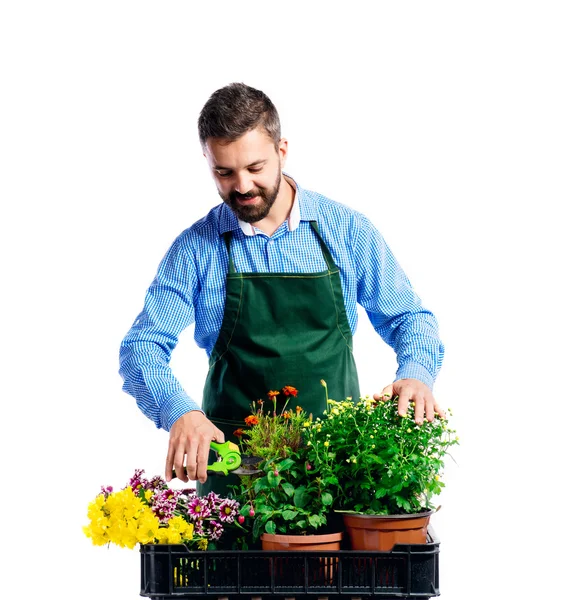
382 532
327 541
321 572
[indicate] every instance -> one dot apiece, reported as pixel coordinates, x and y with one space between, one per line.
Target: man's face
247 172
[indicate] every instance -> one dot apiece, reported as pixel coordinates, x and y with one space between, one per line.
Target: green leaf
288 515
273 480
256 528
288 489
380 493
261 484
327 499
314 520
285 464
270 527
301 498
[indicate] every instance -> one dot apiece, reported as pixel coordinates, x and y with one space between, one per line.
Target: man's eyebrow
256 163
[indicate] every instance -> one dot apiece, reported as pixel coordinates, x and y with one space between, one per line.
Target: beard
257 212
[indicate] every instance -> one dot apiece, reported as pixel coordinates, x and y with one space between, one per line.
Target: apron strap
228 235
326 253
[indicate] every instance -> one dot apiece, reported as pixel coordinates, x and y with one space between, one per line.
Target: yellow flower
202 544
326 443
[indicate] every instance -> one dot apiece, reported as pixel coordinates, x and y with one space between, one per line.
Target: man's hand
412 389
190 437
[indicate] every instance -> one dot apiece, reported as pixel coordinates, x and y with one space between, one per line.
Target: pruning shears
229 460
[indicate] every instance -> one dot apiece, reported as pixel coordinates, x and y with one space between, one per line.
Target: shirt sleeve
146 350
395 310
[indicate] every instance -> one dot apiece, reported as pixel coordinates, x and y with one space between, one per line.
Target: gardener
271 278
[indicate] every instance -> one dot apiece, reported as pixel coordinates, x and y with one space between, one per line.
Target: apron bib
278 329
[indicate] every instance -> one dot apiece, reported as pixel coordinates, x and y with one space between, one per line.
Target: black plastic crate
407 571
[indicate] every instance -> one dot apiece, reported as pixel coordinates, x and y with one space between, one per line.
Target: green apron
278 329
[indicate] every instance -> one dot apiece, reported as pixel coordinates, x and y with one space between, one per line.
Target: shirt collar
302 210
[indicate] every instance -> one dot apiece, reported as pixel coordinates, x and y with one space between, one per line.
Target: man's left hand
418 392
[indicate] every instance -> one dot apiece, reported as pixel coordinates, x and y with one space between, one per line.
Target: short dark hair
234 110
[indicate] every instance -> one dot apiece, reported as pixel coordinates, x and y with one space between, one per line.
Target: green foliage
377 462
289 496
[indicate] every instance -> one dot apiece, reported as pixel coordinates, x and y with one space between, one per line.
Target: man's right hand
190 437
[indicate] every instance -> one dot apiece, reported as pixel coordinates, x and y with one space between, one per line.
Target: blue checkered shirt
189 287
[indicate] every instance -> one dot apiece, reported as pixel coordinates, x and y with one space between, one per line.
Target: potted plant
384 469
289 500
147 511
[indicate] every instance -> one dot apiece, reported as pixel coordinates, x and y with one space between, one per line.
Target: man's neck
280 210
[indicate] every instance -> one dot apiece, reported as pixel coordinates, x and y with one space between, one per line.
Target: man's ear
283 150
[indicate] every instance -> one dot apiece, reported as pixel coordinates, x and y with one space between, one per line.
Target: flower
149 512
198 508
379 464
288 390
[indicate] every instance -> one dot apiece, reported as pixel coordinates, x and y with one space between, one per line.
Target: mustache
251 194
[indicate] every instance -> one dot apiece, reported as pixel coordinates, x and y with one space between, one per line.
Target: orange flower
298 410
272 394
290 391
251 420
260 402
238 432
287 414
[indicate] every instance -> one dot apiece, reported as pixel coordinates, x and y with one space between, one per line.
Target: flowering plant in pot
147 511
289 497
378 462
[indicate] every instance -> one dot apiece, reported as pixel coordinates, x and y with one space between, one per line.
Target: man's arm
397 315
146 349
144 365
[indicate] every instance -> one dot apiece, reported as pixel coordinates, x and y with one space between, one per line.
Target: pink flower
215 530
228 510
198 508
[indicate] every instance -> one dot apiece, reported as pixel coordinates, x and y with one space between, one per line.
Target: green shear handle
229 458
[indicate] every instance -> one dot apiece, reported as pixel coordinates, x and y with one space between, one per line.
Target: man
271 278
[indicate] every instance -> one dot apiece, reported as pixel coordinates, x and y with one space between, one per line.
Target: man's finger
439 410
419 405
430 403
403 400
202 459
190 463
385 394
169 463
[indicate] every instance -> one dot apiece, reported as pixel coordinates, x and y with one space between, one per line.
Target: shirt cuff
176 406
412 370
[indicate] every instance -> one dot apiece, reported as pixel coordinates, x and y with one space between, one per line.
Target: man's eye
255 170
223 173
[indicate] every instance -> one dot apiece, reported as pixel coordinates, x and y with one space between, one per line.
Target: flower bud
251 512
241 519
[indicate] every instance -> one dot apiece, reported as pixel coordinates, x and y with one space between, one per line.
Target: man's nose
243 183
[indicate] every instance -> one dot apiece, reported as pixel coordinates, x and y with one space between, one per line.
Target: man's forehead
244 151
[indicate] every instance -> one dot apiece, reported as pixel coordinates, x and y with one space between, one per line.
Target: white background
445 122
